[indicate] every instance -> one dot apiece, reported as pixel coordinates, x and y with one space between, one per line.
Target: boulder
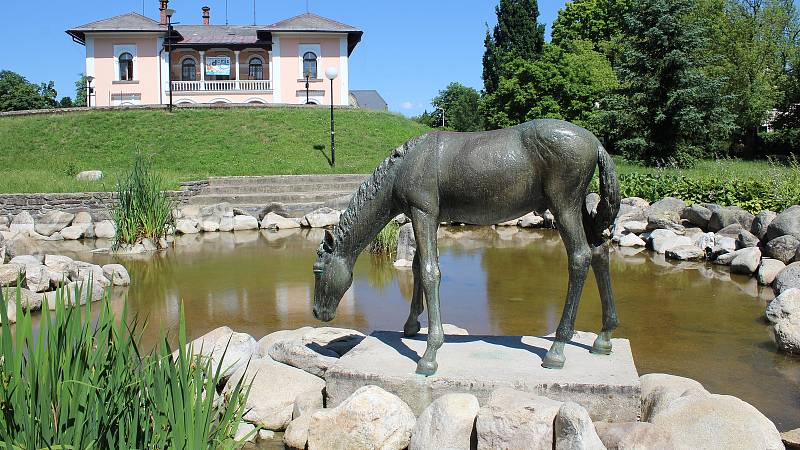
449 330
27 259
75 293
592 200
406 244
82 218
697 215
708 421
747 239
4 223
786 223
705 241
266 435
52 222
267 341
117 274
306 403
238 349
338 340
296 435
11 308
370 418
768 270
631 240
635 227
722 217
37 278
634 436
10 273
784 313
783 248
312 358
29 300
531 220
731 231
723 245
245 432
58 263
660 389
74 232
89 175
274 221
518 420
686 253
575 430
666 214
105 229
217 211
447 423
322 217
22 223
746 261
662 244
791 439
187 226
82 271
761 223
274 388
210 224
226 224
244 223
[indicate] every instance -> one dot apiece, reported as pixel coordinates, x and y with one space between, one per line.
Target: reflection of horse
481 178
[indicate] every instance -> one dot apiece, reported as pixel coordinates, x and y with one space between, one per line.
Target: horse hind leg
412 325
600 267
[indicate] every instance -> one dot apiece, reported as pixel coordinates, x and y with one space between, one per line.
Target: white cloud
408 105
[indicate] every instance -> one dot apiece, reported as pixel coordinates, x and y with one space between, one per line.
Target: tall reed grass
81 381
143 210
385 243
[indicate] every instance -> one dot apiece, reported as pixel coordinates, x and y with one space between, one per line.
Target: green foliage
17 93
75 382
80 91
460 106
386 241
559 84
667 109
597 21
143 210
780 142
66 102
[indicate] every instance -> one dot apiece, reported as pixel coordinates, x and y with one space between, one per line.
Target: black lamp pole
169 13
333 133
89 91
308 76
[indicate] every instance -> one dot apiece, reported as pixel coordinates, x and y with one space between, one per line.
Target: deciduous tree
459 104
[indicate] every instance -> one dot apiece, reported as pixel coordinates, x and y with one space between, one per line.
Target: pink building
128 59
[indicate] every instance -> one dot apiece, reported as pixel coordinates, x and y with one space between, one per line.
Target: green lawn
43 153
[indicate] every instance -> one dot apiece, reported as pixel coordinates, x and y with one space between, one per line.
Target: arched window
189 70
256 70
309 65
126 67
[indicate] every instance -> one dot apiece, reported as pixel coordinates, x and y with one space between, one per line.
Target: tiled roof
311 22
132 22
217 34
369 99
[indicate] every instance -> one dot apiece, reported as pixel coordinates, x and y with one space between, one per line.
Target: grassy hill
43 153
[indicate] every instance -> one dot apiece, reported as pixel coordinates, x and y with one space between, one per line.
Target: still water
688 319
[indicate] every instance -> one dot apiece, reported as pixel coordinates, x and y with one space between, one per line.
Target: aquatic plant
386 241
143 210
79 381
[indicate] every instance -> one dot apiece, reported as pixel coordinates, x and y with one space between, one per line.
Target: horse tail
609 204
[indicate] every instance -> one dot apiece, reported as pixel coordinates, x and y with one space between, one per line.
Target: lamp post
169 13
89 91
308 80
332 73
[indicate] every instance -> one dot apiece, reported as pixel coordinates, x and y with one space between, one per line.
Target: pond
689 319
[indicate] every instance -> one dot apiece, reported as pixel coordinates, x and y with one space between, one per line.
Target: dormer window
125 67
310 65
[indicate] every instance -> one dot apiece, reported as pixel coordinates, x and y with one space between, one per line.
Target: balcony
223 86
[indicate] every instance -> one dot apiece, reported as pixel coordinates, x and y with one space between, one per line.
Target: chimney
206 15
164 4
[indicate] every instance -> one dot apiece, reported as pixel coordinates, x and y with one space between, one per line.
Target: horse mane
369 189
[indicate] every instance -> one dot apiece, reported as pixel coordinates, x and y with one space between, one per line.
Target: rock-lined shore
676 412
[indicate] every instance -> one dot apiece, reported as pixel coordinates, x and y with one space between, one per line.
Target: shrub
143 211
78 382
386 241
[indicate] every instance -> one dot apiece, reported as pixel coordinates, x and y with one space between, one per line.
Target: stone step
344 188
264 199
284 180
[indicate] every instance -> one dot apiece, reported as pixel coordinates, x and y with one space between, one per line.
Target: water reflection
690 319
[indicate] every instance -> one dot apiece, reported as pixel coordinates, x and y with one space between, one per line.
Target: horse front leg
412 325
600 267
425 227
579 256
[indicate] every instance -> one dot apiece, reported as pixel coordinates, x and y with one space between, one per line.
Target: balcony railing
222 85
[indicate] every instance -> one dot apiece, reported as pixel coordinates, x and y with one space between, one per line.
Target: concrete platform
607 386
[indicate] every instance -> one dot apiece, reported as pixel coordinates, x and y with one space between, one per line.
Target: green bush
143 210
780 142
81 383
386 241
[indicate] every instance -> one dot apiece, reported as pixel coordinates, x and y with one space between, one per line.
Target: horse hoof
553 362
602 345
411 330
427 368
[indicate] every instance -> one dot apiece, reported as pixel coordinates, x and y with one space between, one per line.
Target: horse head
333 277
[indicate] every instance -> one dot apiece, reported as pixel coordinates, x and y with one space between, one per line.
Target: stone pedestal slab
607 386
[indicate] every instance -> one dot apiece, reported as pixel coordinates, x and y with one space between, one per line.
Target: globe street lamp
169 13
89 91
332 73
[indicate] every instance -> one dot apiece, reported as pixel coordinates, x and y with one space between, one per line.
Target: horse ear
329 242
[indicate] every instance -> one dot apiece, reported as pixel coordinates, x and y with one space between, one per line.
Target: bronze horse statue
481 178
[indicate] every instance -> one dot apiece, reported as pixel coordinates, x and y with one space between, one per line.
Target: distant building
368 99
128 59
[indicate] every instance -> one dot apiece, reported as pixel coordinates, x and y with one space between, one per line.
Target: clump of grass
79 382
143 210
385 243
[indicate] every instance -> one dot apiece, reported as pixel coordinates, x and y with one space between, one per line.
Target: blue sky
411 48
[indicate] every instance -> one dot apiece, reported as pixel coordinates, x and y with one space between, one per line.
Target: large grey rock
791 439
369 419
27 259
768 270
307 403
705 241
338 340
74 232
697 215
74 293
267 341
210 224
447 423
218 210
22 223
518 420
187 226
723 245
296 435
708 421
784 314
746 261
82 271
531 220
274 221
783 248
29 300
732 231
11 308
238 349
274 388
245 432
662 244
724 217
11 273
322 217
52 222
406 244
786 223
631 240
575 430
105 229
659 390
635 227
312 358
117 274
226 224
82 218
89 175
37 278
686 253
244 223
634 436
747 239
666 214
4 221
58 263
761 223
